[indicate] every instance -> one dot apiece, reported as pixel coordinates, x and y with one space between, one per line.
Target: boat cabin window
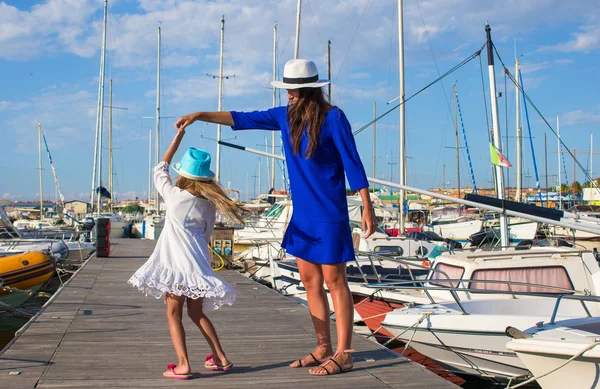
453 272
535 277
389 250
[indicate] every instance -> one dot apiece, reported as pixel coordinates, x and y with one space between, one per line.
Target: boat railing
425 286
499 252
406 263
453 286
11 244
580 298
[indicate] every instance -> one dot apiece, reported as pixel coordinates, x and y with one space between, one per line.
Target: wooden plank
101 333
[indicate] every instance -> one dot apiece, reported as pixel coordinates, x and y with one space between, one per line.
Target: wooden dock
99 332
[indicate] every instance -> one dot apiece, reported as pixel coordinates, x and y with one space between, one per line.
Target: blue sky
50 56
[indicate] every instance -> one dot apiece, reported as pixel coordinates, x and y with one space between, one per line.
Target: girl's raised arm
168 157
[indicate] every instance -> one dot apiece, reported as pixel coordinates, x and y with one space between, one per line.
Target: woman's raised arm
223 117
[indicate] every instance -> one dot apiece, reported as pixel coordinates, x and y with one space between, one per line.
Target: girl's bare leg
174 315
311 275
337 283
195 312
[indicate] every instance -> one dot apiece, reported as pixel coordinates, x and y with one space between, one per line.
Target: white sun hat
300 73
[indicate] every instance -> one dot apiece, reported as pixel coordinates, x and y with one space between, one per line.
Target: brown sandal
336 369
314 362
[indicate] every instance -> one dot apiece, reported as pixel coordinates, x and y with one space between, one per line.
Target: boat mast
402 117
157 118
149 167
375 141
559 159
591 160
546 170
110 156
519 134
329 71
257 179
456 133
496 131
444 178
218 159
297 46
99 115
274 103
40 169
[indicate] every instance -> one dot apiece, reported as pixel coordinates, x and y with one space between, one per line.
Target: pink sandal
211 365
175 375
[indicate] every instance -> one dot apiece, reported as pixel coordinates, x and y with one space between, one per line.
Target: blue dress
319 230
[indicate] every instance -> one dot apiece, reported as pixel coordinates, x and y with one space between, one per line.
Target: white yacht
450 223
71 245
583 210
561 353
483 293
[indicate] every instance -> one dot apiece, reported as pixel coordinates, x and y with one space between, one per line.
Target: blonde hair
215 194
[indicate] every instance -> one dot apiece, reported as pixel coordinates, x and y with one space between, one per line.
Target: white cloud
584 41
579 117
53 26
13 106
535 67
11 196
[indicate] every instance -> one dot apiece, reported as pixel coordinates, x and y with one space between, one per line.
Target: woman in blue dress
319 148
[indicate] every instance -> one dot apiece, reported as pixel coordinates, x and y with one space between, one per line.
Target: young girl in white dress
179 269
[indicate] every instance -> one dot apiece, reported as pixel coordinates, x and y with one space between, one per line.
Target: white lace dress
180 263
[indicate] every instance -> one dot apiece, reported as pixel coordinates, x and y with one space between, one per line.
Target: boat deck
99 332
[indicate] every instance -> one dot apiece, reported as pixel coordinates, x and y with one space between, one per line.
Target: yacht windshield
275 210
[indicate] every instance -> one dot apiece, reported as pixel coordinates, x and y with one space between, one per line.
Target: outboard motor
60 251
88 224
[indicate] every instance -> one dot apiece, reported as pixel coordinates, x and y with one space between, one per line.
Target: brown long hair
307 113
215 194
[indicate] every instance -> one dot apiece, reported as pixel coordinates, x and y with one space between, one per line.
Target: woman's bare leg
195 312
174 315
337 283
312 278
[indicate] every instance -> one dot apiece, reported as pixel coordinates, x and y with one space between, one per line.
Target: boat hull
579 373
27 271
460 231
373 311
458 351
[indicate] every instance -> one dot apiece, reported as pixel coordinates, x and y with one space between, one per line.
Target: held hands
369 223
185 121
180 133
168 156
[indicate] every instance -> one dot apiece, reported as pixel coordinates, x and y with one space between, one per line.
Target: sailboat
153 223
118 223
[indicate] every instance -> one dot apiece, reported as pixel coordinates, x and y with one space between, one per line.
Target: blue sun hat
195 165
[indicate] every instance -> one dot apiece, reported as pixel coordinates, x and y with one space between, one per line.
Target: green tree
133 208
576 188
564 188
